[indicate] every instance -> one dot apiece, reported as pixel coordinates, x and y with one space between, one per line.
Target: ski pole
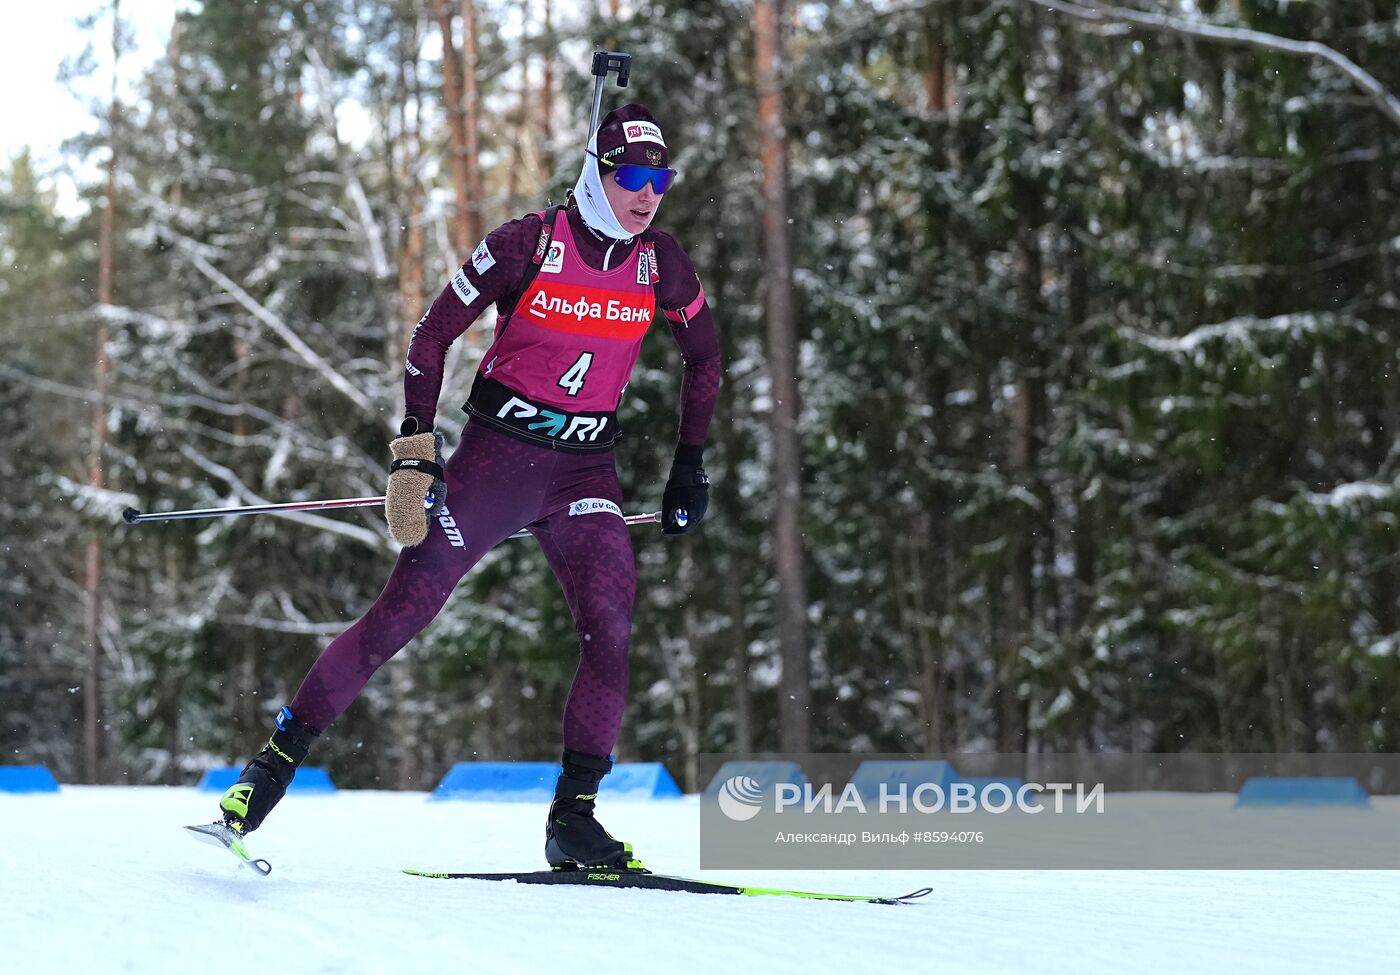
604 62
131 516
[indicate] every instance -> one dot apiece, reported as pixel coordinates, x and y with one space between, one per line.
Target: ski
646 880
219 834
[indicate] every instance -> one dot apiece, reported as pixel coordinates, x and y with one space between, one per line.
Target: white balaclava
593 203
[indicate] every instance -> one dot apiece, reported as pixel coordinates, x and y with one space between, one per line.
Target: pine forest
1060 407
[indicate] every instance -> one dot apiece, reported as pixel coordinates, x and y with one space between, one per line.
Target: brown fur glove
416 491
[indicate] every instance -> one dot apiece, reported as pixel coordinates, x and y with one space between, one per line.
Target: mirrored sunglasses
632 178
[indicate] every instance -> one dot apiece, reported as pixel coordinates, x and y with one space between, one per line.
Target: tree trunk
688 686
794 689
729 506
452 105
925 644
516 185
936 65
1027 421
411 242
614 8
406 745
1385 577
547 93
471 105
742 703
93 736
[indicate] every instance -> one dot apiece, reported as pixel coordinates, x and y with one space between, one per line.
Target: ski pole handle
132 517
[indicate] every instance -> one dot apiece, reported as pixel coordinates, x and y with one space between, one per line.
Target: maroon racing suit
537 450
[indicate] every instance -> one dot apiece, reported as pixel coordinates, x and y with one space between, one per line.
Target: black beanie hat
630 135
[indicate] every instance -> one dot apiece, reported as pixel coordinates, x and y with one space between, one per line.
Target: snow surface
102 879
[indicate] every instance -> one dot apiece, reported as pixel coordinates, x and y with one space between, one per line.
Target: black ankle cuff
583 762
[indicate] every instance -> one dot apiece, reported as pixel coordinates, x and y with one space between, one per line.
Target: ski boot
573 838
264 780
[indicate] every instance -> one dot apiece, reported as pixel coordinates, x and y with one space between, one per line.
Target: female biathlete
576 288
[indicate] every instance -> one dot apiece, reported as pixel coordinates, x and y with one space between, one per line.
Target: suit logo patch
464 288
593 506
554 261
482 258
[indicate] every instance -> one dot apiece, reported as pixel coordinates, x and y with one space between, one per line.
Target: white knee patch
593 506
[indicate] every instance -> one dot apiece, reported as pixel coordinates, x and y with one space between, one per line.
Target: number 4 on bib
572 380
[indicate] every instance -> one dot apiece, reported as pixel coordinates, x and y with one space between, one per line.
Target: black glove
687 493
